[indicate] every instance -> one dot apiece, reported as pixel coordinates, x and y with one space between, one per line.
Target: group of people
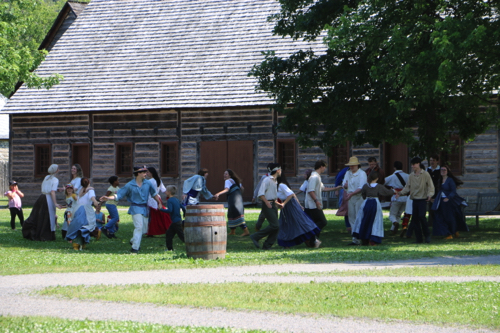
360 192
83 218
412 195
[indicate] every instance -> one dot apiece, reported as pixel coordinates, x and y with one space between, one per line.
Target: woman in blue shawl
448 218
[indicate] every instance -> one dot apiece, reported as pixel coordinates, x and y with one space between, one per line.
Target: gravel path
16 300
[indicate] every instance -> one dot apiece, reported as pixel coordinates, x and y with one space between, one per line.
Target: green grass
471 303
13 324
21 256
455 270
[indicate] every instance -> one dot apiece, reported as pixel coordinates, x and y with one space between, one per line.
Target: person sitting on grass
99 217
174 210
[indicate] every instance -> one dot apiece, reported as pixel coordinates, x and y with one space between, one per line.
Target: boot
406 220
232 232
396 228
245 233
76 246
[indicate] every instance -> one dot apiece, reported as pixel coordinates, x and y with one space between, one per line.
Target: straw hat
353 161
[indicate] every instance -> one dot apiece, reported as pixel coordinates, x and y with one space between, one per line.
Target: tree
396 71
23 26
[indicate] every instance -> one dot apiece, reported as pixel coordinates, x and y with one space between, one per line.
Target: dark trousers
419 220
174 229
260 220
317 216
430 219
271 231
13 213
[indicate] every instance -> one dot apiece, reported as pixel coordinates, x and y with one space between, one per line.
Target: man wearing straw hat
353 182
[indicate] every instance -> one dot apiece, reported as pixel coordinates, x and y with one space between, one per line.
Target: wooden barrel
205 231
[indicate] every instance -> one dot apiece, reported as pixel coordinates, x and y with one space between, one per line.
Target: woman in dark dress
235 209
296 227
448 217
42 222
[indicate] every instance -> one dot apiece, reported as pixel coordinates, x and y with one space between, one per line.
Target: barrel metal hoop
205 207
206 252
205 243
205 214
204 224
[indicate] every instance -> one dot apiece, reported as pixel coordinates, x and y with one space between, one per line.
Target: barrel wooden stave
205 232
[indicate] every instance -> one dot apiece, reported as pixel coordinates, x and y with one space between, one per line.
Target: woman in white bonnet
41 225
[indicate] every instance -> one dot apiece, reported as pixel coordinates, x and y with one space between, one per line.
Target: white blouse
152 202
284 192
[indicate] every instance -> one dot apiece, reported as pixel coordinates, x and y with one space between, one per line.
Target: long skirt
79 226
448 219
38 226
159 222
235 209
295 226
369 223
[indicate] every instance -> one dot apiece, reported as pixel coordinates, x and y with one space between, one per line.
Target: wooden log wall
60 131
148 129
481 165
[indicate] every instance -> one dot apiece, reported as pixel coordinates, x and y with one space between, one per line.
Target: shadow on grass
483 241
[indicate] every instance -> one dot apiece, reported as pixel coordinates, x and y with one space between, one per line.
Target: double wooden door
217 156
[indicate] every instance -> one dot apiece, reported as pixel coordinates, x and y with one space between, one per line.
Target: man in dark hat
137 192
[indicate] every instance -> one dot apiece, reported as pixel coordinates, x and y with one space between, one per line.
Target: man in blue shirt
137 192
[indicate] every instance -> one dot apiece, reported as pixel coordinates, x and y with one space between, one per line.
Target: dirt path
16 301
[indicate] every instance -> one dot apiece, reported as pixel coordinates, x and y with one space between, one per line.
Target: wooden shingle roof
150 54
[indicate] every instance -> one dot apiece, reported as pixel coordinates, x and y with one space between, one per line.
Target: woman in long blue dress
448 217
296 226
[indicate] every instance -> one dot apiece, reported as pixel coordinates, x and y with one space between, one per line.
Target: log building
165 83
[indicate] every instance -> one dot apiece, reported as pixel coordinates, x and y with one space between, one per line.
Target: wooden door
240 160
393 153
81 155
213 156
217 156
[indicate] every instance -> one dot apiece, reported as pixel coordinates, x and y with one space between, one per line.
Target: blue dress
295 225
448 217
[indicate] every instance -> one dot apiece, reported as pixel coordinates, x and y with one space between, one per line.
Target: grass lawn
21 256
471 303
49 325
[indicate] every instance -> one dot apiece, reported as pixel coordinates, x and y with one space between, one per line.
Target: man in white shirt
353 182
397 181
261 218
268 193
313 203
